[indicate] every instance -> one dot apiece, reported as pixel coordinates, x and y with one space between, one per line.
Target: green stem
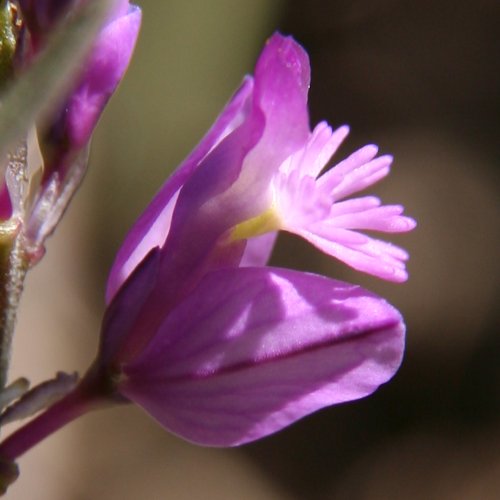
13 267
14 261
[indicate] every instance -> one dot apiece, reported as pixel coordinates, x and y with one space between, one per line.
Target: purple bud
72 125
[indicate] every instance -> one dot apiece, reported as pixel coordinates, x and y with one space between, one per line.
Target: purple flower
64 136
218 348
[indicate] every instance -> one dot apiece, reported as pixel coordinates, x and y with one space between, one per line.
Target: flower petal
363 253
282 78
233 183
344 182
108 62
254 349
152 227
317 152
126 308
258 250
386 218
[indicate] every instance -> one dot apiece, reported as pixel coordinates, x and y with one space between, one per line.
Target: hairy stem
13 267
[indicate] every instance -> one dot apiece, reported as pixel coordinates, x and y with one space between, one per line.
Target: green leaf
45 84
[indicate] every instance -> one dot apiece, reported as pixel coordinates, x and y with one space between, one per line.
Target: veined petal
254 349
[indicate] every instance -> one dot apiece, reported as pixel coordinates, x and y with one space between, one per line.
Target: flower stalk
64 411
94 391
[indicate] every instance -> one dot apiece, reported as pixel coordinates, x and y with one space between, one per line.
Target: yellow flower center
266 222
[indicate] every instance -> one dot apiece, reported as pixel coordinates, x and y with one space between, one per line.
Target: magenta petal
152 227
376 257
282 78
254 349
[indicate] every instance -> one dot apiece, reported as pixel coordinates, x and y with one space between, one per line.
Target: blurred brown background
419 78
